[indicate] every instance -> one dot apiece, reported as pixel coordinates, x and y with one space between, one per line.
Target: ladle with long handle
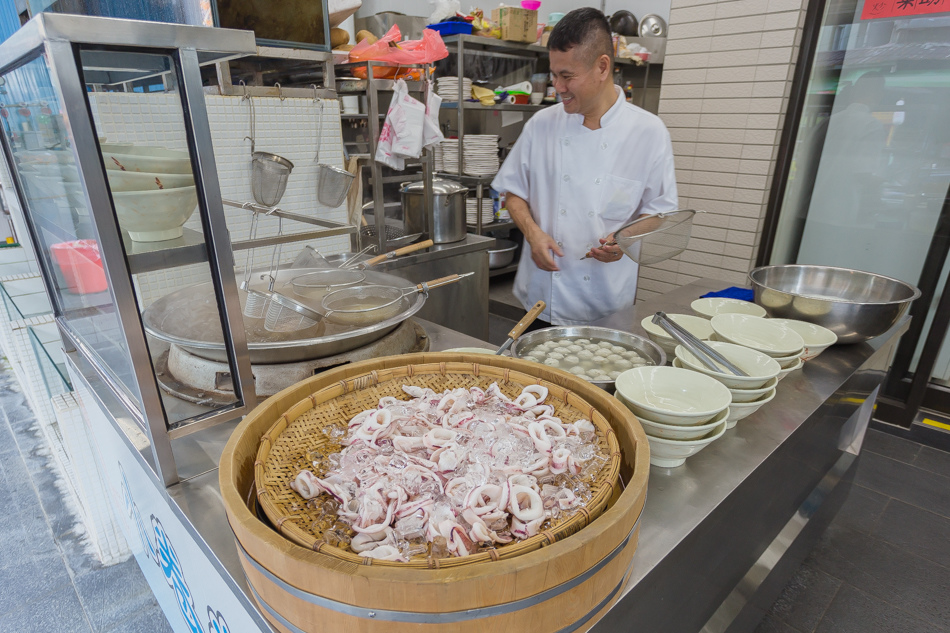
405 250
706 355
522 325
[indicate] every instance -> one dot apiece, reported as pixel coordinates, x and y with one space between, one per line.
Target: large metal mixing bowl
853 304
642 346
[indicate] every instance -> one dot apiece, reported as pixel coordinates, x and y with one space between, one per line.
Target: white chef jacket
582 185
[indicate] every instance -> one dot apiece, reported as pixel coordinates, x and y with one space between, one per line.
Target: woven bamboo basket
285 448
560 578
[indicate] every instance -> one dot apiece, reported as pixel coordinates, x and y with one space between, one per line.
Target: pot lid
440 186
652 26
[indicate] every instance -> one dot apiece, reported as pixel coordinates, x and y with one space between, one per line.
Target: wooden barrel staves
561 586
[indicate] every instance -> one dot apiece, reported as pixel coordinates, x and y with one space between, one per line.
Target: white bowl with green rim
671 395
697 326
758 333
760 367
672 453
741 410
712 306
817 339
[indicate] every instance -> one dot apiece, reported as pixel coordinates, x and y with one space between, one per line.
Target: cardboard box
517 24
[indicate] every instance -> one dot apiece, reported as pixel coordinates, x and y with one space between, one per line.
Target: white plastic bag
408 122
431 132
384 147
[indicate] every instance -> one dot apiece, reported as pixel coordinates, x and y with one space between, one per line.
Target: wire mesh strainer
654 238
333 183
269 174
287 315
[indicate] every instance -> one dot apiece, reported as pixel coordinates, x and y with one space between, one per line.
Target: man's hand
607 254
542 246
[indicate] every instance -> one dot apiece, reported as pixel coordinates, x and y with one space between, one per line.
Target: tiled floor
884 563
882 566
48 582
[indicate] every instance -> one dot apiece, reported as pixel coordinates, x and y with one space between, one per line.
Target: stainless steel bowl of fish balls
589 359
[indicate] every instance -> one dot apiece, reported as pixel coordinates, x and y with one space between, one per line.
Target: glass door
866 169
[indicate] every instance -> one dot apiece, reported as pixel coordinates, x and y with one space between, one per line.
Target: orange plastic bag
388 48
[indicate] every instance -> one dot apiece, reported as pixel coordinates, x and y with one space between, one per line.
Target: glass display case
105 130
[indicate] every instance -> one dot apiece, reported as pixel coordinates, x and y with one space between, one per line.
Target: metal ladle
706 355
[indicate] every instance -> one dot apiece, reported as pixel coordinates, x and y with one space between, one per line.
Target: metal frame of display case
61 38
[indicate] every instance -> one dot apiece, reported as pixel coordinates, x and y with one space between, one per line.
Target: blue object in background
452 28
734 292
9 20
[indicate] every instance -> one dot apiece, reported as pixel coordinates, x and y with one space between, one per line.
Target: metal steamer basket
187 318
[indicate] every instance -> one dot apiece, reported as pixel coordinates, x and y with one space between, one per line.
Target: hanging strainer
654 238
255 303
333 183
316 284
269 174
287 315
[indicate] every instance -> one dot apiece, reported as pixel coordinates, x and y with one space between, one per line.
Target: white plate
757 333
711 306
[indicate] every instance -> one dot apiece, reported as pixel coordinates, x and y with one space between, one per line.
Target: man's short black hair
586 28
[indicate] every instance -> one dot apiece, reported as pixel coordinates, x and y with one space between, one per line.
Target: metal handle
405 250
706 355
527 320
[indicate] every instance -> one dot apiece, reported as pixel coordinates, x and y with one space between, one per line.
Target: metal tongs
706 355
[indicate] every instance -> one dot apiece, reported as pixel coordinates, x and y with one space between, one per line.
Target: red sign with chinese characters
902 8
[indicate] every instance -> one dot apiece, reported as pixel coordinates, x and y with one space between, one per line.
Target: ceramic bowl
150 160
682 433
749 395
144 181
758 333
786 372
711 306
788 362
760 367
672 453
671 395
742 410
697 326
817 339
155 216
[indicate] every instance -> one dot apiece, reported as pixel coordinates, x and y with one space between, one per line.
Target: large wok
189 318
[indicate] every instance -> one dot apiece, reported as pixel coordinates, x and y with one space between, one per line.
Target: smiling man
580 171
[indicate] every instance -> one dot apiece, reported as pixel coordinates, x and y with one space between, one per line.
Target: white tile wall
726 81
290 128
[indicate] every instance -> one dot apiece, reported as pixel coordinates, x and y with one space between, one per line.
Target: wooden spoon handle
527 320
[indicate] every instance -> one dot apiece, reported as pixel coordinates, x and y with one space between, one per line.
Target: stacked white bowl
153 189
697 326
817 339
781 343
748 392
712 306
681 411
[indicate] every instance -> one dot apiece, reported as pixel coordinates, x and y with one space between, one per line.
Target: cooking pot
448 214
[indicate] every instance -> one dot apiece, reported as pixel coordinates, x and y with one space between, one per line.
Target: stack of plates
481 155
437 158
471 211
448 88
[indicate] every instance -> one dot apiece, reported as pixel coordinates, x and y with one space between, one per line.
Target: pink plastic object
429 49
81 265
530 5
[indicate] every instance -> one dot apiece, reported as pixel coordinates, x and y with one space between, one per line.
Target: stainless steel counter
721 534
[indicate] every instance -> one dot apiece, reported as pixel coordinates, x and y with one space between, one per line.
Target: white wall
424 8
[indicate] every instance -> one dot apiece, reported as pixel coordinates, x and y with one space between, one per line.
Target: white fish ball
577 369
605 344
571 359
585 354
623 364
613 358
613 374
602 353
573 349
556 355
552 362
616 349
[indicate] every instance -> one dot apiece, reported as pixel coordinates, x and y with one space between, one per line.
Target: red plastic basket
81 265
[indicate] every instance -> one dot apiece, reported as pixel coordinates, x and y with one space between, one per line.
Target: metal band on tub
414 617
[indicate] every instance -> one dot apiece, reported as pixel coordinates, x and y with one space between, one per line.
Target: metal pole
379 208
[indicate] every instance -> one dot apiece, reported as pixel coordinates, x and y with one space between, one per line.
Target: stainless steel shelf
466 179
473 105
145 257
494 226
359 86
510 268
